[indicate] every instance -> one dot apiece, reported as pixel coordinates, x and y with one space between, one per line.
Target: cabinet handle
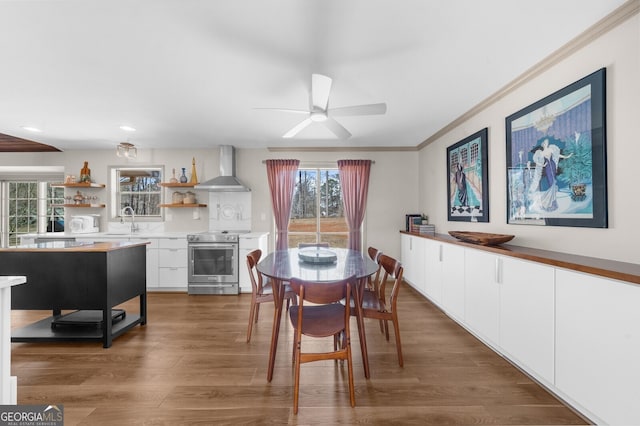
440 253
498 271
410 243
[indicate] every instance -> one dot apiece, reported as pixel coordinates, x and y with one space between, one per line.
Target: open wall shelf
78 185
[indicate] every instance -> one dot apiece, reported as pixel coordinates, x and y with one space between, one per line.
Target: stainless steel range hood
227 181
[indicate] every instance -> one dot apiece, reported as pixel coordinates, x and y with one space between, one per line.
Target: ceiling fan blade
337 128
369 109
320 89
296 111
298 128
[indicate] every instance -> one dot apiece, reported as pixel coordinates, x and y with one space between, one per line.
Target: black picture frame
556 158
468 179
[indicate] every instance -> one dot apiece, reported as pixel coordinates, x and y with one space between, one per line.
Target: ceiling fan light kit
318 116
319 111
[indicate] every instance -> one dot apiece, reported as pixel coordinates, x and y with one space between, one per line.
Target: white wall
392 186
619 51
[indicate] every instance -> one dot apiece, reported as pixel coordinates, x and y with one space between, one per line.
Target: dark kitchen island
89 279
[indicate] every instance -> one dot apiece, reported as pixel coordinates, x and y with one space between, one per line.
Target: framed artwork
556 158
467 181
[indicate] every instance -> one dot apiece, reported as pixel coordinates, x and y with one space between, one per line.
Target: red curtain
282 180
354 181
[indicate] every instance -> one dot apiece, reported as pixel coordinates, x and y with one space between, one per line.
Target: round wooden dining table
282 265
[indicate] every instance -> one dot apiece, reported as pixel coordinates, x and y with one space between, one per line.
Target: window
29 209
138 188
317 213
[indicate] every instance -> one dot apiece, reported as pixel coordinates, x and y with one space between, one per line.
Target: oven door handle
213 245
211 285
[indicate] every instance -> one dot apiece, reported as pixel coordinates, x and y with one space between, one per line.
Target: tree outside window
317 211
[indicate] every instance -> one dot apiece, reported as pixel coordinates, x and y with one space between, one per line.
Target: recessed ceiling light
32 129
128 128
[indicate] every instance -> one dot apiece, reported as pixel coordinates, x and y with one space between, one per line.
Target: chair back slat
393 270
322 293
374 280
253 258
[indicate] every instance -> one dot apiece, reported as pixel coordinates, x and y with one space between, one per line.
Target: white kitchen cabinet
413 261
152 261
247 243
527 295
598 345
172 263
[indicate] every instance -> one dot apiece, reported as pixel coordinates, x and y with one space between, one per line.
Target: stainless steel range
213 263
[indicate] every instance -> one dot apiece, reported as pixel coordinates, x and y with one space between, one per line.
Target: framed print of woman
556 158
544 185
467 183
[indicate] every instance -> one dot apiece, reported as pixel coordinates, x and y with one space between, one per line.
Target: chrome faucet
134 227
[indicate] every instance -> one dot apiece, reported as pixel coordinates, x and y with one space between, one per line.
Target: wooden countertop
622 271
74 246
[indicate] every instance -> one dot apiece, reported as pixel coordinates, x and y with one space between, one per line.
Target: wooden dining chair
262 291
320 315
305 245
375 305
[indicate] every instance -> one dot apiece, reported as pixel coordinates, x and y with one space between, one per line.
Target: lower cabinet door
173 277
598 345
453 285
527 295
243 271
433 270
481 307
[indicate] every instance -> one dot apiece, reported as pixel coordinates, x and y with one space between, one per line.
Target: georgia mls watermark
31 415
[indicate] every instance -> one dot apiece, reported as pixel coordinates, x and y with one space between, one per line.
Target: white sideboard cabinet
570 322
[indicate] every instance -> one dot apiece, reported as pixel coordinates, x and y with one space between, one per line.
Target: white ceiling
190 73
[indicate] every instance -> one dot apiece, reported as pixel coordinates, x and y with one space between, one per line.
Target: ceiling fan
319 111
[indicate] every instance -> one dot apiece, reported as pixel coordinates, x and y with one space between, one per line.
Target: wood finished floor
190 365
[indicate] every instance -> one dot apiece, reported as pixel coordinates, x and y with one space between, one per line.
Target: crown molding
342 149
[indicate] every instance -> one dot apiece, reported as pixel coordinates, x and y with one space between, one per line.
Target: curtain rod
372 161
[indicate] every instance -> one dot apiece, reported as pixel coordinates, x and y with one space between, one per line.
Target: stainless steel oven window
213 261
217 263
